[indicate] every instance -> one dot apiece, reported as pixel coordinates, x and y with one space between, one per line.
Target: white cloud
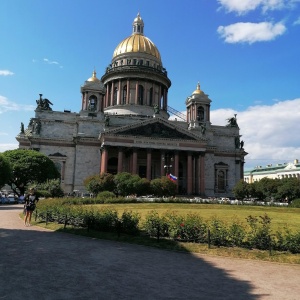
51 62
244 6
5 147
269 131
6 105
5 73
251 32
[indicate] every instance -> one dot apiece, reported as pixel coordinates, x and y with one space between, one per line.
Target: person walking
30 203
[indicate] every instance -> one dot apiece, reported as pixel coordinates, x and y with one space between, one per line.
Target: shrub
295 203
105 195
236 234
259 235
218 232
155 225
130 221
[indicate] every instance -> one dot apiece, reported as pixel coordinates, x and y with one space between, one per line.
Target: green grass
281 216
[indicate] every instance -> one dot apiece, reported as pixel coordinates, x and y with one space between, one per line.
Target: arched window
92 105
141 95
221 181
151 96
124 96
221 174
200 114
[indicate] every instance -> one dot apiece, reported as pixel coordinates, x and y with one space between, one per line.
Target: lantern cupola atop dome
138 25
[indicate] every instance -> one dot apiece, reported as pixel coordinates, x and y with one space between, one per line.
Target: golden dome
137 42
197 91
93 78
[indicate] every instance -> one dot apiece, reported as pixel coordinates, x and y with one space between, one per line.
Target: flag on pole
172 177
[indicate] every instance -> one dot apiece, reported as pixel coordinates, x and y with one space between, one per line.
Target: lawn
281 216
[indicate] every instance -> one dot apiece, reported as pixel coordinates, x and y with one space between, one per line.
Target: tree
163 187
29 166
241 190
126 183
288 189
5 170
142 187
100 183
49 188
268 187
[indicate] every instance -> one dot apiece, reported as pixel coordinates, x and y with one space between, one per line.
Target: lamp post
168 160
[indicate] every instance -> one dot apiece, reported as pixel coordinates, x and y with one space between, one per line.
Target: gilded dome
197 91
93 78
137 42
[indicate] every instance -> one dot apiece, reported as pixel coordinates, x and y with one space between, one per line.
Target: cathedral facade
124 126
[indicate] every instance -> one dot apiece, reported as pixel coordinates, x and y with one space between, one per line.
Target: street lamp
168 160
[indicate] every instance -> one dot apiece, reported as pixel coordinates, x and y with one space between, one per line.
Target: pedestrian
30 203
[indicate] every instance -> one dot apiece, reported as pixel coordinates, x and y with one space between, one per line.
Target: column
106 96
136 92
149 157
120 160
104 159
208 113
112 94
202 175
119 93
189 174
134 161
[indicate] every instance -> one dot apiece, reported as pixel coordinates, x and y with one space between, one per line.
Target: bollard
208 238
158 232
66 221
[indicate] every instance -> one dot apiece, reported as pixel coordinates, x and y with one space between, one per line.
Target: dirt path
36 263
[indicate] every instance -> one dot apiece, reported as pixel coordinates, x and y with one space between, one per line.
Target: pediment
154 129
57 154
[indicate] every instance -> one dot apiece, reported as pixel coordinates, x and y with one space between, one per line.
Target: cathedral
124 125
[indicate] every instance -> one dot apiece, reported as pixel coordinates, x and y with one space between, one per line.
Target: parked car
4 200
11 200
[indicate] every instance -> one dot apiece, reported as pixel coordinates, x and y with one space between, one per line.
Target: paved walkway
36 263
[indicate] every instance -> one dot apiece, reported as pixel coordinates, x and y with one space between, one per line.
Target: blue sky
245 54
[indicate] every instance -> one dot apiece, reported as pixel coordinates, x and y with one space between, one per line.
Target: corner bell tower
198 108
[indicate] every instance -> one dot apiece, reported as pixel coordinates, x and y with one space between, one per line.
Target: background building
124 126
279 171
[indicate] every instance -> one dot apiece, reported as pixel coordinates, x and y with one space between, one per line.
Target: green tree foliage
126 183
269 189
288 188
29 166
50 188
100 183
163 187
5 170
142 187
241 190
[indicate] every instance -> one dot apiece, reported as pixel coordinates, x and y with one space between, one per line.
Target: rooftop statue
43 104
22 127
232 122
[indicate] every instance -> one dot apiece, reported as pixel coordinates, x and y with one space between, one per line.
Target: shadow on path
36 263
